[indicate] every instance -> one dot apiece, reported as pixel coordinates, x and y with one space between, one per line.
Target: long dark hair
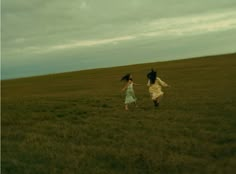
126 77
152 76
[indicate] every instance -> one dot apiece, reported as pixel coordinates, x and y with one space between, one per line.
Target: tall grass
76 123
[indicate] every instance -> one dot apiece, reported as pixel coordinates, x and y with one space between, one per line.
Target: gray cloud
41 26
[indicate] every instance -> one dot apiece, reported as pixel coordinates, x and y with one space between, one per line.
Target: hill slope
76 122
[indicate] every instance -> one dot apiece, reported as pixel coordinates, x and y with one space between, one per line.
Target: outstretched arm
162 83
148 83
136 84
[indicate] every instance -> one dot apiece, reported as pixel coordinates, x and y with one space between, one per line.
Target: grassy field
76 123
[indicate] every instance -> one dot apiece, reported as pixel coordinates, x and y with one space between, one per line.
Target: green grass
76 123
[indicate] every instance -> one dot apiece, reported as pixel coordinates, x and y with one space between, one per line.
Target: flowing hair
152 76
126 77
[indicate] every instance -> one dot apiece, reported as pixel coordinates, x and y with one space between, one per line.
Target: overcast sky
50 36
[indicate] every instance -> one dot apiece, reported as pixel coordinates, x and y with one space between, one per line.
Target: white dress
130 96
155 89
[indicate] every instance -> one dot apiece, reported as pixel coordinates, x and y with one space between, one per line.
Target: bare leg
126 107
135 104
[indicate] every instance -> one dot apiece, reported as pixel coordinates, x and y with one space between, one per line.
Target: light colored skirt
155 92
130 96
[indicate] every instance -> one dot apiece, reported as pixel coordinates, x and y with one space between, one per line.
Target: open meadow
76 123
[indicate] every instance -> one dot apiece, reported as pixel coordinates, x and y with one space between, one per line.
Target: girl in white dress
129 90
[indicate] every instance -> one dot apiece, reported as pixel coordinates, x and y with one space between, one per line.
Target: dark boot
156 104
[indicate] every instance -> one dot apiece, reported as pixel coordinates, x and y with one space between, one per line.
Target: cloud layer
161 28
39 31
